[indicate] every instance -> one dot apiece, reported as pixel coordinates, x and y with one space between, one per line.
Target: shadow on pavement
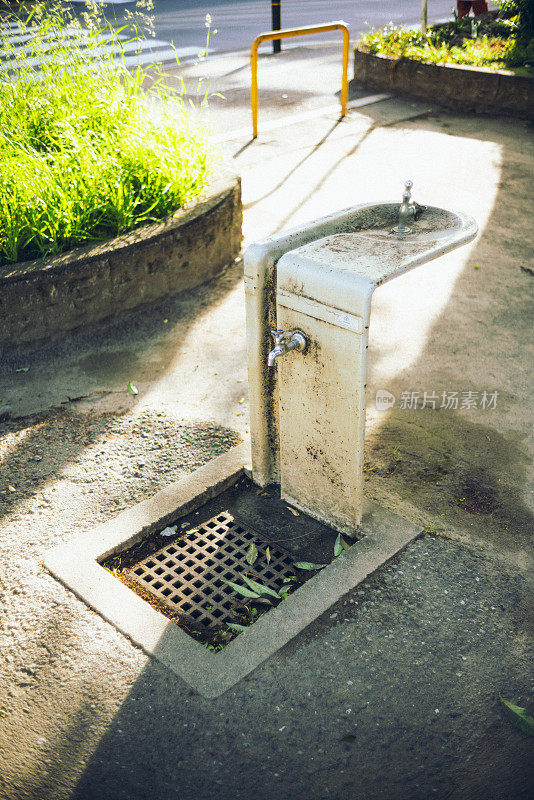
394 694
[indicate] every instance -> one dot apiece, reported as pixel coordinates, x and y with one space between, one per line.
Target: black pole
277 23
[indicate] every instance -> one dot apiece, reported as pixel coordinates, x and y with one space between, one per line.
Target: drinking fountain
311 288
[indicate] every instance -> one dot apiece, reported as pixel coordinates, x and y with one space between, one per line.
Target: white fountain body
308 408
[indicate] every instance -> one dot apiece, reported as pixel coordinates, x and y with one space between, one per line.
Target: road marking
123 49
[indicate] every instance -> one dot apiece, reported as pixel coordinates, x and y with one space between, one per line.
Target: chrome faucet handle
407 194
280 336
285 341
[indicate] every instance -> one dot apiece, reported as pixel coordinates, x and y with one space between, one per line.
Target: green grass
87 151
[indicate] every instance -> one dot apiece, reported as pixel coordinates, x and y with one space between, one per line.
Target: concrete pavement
393 693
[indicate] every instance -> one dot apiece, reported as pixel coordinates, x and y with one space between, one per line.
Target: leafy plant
243 590
234 626
255 593
488 42
338 547
216 648
260 588
259 593
252 554
88 150
518 716
520 16
255 589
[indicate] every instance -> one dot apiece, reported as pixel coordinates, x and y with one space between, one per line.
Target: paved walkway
393 694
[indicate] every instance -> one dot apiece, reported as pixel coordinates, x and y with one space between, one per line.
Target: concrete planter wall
453 86
43 299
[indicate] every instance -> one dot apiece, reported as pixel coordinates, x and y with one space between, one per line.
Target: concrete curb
453 86
44 298
211 674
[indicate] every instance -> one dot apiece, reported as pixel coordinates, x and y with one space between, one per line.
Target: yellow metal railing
285 34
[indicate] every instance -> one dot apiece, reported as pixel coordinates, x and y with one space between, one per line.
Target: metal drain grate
188 575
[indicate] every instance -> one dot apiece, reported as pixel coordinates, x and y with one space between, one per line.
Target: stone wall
452 86
43 299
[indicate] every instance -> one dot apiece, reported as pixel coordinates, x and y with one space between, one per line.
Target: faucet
285 341
408 209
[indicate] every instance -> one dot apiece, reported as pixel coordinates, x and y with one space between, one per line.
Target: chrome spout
285 341
408 210
273 355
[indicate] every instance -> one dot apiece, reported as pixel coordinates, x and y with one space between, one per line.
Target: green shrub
505 40
436 47
87 151
519 15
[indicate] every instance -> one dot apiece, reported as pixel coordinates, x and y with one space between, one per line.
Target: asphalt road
238 22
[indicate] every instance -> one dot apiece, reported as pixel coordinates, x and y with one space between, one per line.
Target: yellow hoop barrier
286 34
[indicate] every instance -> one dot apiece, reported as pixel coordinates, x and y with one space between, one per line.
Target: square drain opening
133 536
199 599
